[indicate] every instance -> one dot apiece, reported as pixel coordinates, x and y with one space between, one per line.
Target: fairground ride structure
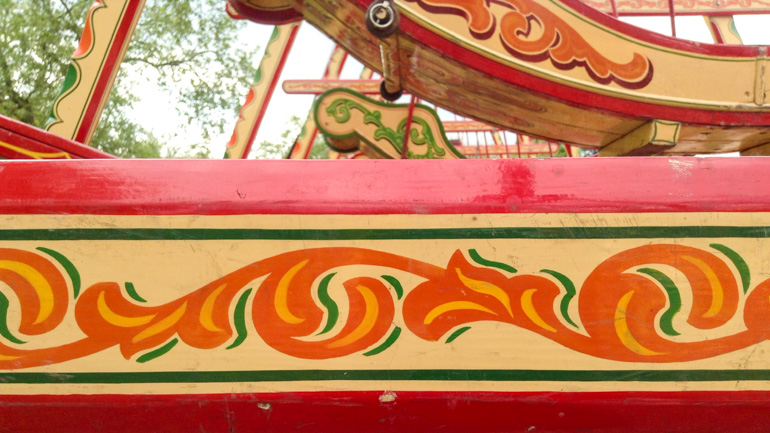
379 294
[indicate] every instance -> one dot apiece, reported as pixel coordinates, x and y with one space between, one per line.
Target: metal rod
409 117
672 14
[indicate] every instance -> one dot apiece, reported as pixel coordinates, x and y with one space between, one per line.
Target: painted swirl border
625 308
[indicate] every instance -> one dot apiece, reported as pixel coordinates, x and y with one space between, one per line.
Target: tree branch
175 62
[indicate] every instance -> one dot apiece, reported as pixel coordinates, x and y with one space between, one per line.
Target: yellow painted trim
282 295
717 292
161 325
38 282
452 306
36 155
621 327
370 319
487 289
531 313
116 319
207 310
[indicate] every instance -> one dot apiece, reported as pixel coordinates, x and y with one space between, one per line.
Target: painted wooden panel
386 294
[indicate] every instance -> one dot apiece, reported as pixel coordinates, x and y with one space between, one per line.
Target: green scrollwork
420 134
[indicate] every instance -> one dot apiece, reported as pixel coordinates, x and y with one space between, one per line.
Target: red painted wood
627 412
591 100
276 17
269 93
37 140
109 70
385 187
585 99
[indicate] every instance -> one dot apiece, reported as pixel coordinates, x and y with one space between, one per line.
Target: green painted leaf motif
740 264
427 138
387 343
675 301
239 320
457 333
476 257
395 284
70 268
328 302
373 117
341 108
4 331
149 356
70 80
131 290
391 136
569 287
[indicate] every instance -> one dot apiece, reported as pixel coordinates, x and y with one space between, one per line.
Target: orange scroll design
628 308
531 32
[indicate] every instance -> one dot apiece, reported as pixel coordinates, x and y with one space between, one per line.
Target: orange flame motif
626 308
533 33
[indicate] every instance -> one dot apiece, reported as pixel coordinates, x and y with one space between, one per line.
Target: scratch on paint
681 168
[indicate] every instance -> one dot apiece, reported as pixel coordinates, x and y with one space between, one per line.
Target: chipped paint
388 397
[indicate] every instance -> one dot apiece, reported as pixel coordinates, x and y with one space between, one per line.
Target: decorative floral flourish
625 307
531 32
340 108
73 75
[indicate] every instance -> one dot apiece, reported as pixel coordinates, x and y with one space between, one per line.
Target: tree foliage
188 47
280 149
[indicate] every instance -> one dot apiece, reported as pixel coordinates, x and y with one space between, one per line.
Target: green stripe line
240 320
675 301
389 375
131 290
149 356
328 302
569 286
457 333
740 264
484 262
395 284
146 234
4 331
388 342
68 267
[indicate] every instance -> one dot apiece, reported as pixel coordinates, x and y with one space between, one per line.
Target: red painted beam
167 187
628 412
33 139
